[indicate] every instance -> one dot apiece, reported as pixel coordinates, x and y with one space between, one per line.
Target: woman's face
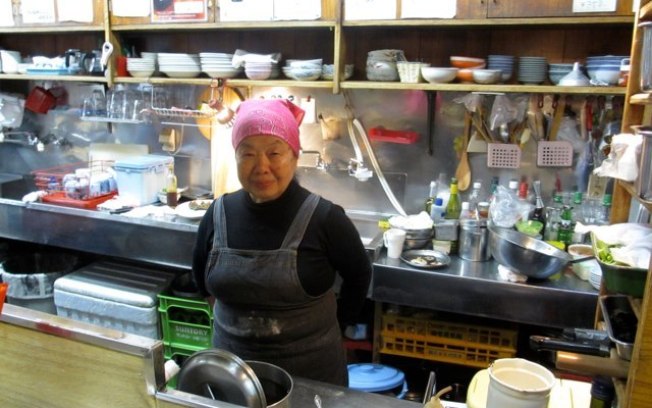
266 166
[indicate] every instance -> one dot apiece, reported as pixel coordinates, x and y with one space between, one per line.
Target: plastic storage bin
140 178
113 295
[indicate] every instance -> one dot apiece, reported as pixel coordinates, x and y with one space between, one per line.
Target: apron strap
300 223
219 222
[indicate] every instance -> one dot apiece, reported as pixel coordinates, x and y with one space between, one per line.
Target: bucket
377 378
519 383
31 278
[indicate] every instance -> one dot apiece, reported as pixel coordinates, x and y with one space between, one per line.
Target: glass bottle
454 206
578 215
171 188
605 213
565 232
538 214
553 218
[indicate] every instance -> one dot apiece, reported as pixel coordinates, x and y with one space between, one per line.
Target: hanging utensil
463 171
431 119
430 387
556 120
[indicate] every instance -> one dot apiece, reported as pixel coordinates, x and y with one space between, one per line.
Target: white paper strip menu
428 8
369 9
37 11
6 13
80 11
130 8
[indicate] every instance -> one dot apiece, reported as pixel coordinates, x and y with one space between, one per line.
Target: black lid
602 388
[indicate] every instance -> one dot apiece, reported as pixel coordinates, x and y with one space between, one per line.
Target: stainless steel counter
476 288
472 288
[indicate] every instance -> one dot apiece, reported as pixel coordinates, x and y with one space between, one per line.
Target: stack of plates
303 70
505 63
141 67
179 65
153 57
532 70
218 65
261 70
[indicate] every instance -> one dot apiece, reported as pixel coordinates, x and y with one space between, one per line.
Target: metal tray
621 322
425 258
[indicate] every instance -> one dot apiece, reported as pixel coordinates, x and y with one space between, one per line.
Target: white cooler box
140 178
113 295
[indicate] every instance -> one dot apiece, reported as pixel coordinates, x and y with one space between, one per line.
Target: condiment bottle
171 188
454 206
565 233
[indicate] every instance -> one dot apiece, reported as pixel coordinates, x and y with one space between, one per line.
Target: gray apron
263 313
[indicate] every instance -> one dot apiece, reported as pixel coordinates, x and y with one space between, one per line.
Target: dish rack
186 113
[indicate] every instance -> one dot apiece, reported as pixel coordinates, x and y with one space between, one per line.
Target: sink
370 233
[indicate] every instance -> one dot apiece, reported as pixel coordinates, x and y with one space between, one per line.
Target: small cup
394 239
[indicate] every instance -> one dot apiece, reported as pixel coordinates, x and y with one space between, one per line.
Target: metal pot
277 383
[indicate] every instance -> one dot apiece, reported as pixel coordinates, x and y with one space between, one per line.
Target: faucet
321 163
357 166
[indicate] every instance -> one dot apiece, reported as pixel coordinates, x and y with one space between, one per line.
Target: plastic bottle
475 197
443 191
465 212
437 210
171 188
513 187
431 196
454 206
495 181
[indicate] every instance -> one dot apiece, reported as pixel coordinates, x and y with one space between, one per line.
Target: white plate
183 210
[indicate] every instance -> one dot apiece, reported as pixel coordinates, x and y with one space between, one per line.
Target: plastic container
474 240
140 178
113 295
646 57
644 181
187 323
31 278
3 293
377 378
519 383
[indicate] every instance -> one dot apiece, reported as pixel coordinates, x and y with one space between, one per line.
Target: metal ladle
224 114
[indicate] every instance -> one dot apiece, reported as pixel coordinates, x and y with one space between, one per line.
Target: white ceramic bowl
439 75
608 77
487 76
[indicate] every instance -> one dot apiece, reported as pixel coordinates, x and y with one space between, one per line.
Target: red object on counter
60 198
3 292
393 136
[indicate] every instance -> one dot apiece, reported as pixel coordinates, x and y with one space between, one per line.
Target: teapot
91 62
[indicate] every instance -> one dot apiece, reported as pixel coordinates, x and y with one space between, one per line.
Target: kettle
91 62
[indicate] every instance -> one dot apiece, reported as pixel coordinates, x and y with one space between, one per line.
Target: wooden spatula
463 172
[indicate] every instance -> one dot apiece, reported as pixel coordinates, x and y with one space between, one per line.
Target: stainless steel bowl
526 255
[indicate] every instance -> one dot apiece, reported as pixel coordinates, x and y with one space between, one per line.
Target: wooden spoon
463 171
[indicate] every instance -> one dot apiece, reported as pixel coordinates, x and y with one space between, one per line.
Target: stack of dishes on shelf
257 66
303 70
605 69
557 71
328 70
141 67
504 63
218 65
152 56
466 66
532 70
177 65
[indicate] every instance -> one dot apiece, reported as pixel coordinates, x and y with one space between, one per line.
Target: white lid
513 184
477 184
465 205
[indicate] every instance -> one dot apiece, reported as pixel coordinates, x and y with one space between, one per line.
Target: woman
269 254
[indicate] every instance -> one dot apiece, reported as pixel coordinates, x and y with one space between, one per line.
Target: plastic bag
12 109
568 132
622 162
506 208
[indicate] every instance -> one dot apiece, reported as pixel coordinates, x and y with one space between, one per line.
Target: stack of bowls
303 70
152 56
410 72
604 69
141 67
557 71
381 65
218 65
328 70
505 63
466 66
532 70
176 65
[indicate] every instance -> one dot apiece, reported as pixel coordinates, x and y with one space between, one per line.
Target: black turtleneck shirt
331 244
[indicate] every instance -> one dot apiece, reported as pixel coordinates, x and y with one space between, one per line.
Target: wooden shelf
235 82
641 99
226 25
507 88
66 78
493 21
631 190
58 29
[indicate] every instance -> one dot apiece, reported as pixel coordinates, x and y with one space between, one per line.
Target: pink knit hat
274 117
